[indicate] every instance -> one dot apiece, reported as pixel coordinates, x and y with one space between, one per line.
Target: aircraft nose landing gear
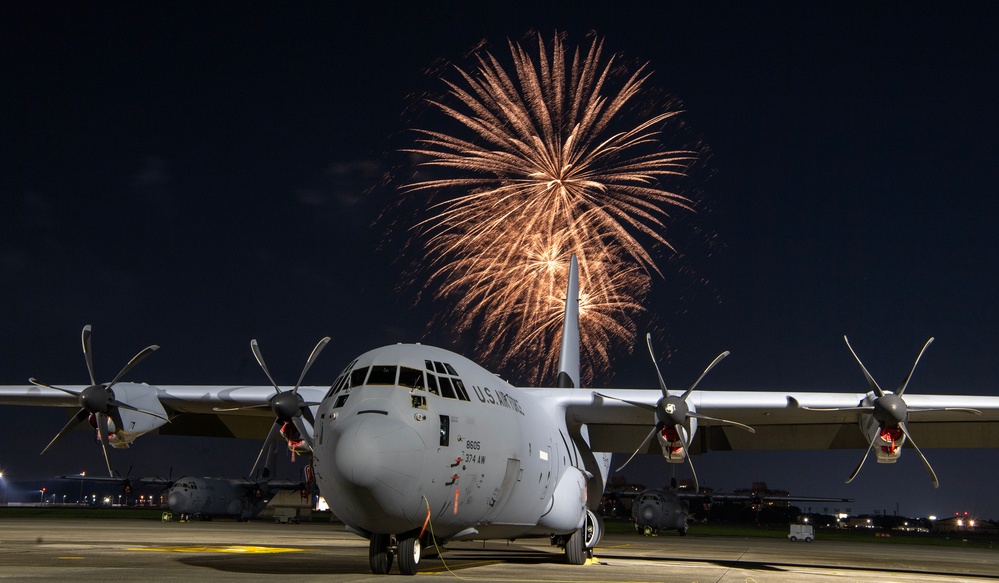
383 547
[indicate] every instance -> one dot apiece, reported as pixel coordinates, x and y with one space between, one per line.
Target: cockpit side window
447 389
357 377
442 382
459 387
382 375
340 381
432 383
411 378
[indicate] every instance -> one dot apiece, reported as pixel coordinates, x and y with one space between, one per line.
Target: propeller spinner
673 412
98 400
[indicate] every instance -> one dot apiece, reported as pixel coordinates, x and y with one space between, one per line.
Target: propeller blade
682 434
861 464
242 407
861 409
271 436
303 429
85 338
123 405
80 416
645 444
703 374
308 363
37 383
906 382
260 360
307 414
102 430
645 406
870 380
957 409
726 421
662 383
135 360
926 462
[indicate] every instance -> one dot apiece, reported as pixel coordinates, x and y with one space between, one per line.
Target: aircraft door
500 497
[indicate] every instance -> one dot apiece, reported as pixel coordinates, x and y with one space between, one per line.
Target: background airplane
210 497
661 509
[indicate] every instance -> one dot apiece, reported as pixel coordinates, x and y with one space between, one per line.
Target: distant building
964 523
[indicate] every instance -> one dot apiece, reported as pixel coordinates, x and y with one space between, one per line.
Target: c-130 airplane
414 446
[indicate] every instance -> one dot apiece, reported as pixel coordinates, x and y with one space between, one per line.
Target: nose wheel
409 555
379 554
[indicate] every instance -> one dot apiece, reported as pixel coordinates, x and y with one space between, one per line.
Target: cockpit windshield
411 378
382 375
439 378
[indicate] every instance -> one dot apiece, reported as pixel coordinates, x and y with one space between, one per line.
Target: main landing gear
383 547
579 545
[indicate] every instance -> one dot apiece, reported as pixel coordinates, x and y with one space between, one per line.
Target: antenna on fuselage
568 361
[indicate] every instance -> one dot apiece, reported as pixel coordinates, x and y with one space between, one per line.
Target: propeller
287 406
672 411
98 400
891 411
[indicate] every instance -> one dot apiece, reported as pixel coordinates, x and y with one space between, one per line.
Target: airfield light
960 522
971 523
933 517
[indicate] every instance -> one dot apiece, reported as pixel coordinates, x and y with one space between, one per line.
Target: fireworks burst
539 170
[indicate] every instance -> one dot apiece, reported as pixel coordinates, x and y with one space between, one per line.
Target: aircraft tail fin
568 362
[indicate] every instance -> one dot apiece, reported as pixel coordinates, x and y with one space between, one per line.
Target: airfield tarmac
82 550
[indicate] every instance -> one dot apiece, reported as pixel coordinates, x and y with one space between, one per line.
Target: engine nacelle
669 440
135 423
567 510
887 440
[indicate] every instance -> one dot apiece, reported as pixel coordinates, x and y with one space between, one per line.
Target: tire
575 549
593 530
808 539
794 539
378 554
409 556
682 531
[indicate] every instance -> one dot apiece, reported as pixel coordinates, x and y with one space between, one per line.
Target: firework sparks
538 170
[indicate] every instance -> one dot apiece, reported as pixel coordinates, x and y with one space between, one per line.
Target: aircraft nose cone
177 501
379 451
648 513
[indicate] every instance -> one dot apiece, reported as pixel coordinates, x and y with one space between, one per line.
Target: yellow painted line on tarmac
237 549
71 558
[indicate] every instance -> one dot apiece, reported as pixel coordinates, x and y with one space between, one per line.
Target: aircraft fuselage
411 431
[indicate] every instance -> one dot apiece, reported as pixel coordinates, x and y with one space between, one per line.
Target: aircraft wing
144 481
205 410
779 419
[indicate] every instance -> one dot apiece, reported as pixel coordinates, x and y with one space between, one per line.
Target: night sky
197 175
